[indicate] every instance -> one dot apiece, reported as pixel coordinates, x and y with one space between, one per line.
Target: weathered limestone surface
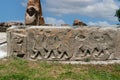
64 43
16 39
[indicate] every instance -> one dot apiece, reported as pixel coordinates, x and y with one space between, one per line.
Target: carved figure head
34 13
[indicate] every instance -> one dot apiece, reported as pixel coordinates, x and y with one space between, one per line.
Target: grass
20 69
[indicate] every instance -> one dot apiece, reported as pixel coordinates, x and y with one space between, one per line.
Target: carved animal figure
33 14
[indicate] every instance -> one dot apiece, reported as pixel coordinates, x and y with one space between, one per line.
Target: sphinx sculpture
33 14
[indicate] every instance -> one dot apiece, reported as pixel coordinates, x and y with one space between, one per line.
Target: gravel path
2 37
92 62
3 45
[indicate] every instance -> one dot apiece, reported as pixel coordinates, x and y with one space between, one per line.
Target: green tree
118 14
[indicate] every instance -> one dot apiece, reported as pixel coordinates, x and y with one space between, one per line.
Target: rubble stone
79 23
5 25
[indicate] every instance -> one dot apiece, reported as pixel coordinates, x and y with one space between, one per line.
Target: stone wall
64 43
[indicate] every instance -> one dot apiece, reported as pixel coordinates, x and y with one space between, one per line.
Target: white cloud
50 20
100 23
94 8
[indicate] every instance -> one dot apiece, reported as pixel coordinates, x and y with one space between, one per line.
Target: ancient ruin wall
64 43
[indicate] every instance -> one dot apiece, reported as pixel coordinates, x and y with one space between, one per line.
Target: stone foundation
64 43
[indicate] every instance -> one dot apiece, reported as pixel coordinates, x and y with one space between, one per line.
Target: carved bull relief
71 45
49 46
96 45
34 13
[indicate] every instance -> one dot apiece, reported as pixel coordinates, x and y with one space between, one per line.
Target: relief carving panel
67 43
71 44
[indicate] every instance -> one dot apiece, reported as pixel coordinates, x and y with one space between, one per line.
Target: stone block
16 39
65 43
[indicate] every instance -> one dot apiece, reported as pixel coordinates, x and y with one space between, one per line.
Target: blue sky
92 12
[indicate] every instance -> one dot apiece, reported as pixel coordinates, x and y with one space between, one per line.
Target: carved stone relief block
17 42
50 43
